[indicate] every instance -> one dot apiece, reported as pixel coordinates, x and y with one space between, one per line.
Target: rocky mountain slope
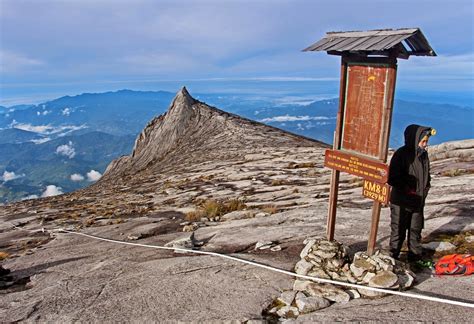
220 183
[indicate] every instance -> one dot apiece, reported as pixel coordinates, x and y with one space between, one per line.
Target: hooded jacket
409 171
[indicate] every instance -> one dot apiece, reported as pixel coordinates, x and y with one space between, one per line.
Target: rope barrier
256 264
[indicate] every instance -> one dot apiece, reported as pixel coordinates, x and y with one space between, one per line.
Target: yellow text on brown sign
376 191
356 165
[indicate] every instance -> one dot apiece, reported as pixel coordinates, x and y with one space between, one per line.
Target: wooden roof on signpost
400 43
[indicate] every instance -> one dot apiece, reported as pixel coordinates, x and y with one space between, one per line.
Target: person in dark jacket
409 176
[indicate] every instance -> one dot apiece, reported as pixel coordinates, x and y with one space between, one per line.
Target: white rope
321 280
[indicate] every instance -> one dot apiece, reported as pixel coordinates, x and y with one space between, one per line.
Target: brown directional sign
376 191
356 165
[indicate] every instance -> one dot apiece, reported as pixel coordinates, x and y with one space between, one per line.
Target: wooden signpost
367 86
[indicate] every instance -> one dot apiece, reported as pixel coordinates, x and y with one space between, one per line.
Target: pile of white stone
325 259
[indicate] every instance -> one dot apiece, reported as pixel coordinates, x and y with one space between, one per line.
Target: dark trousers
405 220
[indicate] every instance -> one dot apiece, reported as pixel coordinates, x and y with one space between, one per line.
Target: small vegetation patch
294 165
214 208
269 209
4 255
456 172
459 240
278 182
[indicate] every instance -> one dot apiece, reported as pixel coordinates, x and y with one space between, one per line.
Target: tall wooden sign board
362 130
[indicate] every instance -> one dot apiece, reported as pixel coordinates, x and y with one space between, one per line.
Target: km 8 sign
376 191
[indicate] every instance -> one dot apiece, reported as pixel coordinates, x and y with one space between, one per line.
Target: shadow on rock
40 267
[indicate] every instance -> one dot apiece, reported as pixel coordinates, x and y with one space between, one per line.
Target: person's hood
414 134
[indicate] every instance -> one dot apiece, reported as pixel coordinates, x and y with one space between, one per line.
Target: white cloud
8 176
46 129
288 118
66 111
30 197
66 150
52 190
77 177
301 100
93 175
41 140
43 113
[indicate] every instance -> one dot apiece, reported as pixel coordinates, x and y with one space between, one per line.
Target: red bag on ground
455 264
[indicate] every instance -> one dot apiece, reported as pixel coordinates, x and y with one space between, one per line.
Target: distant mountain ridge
124 114
118 113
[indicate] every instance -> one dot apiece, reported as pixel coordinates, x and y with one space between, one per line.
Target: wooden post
374 227
333 193
390 90
334 189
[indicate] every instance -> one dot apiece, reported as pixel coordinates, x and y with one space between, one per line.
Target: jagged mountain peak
183 97
192 131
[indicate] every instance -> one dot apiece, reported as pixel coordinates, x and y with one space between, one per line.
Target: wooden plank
382 32
368 45
345 44
331 44
368 33
357 165
390 43
363 113
334 187
318 44
355 43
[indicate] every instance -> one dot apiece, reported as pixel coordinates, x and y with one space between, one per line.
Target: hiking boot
395 255
413 258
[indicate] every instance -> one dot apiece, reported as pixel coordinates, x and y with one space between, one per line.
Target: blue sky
54 48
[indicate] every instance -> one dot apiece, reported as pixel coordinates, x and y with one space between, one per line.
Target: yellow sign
376 191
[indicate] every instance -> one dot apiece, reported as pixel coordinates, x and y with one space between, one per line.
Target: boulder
328 291
262 245
405 280
310 304
363 264
288 312
302 267
319 273
370 293
235 215
439 246
314 258
182 243
275 248
307 248
324 254
368 276
301 285
357 272
287 297
383 279
353 293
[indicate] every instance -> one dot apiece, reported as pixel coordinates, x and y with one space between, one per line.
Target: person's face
423 144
